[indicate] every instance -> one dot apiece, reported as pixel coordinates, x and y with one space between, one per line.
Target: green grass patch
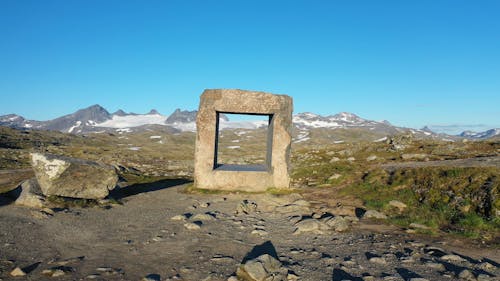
455 200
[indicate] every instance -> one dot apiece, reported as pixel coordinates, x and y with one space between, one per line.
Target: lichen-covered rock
71 177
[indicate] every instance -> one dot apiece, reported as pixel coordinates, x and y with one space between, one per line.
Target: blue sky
413 63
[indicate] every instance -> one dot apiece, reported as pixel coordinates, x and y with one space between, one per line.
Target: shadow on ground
339 274
258 250
134 189
5 200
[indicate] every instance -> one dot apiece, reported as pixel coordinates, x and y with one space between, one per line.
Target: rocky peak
348 117
182 116
427 129
120 112
481 135
153 112
95 113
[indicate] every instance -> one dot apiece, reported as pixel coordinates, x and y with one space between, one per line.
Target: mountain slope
97 119
481 135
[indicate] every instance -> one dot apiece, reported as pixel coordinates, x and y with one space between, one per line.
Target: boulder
338 223
372 214
311 225
264 267
246 207
30 195
71 177
414 156
398 204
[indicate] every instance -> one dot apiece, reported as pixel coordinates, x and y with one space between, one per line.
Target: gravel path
170 235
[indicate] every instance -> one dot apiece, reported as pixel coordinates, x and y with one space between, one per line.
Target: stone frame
250 167
253 178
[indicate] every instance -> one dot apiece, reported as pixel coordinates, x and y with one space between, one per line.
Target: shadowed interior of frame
237 148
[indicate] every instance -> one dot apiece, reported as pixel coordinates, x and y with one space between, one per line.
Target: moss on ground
463 201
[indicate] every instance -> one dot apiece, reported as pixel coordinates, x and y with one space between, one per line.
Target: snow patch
381 139
223 124
302 136
77 124
124 130
133 120
155 137
185 127
233 146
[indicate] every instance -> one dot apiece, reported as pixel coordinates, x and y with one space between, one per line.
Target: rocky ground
358 213
161 232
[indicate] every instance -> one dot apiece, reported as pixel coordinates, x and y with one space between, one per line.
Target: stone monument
275 173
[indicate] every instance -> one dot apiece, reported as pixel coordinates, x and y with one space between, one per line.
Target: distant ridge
95 118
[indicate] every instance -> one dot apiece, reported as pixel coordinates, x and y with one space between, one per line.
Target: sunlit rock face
275 173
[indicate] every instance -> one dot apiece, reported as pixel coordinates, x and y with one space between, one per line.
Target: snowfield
133 120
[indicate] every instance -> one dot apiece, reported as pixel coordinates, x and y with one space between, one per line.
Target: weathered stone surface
414 156
338 223
192 226
246 207
30 195
203 217
11 179
275 173
453 258
71 177
264 267
311 225
17 272
398 204
372 214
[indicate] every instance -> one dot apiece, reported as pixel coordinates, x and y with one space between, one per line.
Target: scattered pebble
377 260
259 232
17 272
151 277
192 226
455 258
178 218
466 274
372 214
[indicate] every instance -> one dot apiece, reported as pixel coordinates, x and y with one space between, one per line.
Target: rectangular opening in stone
243 142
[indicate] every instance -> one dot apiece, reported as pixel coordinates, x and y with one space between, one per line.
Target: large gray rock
264 267
71 177
30 195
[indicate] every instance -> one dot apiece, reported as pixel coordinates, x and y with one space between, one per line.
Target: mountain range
95 119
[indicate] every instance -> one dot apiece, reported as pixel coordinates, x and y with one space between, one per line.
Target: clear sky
413 63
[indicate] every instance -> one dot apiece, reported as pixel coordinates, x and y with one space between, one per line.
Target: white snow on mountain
223 124
481 135
184 126
340 120
128 121
77 124
96 119
381 139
